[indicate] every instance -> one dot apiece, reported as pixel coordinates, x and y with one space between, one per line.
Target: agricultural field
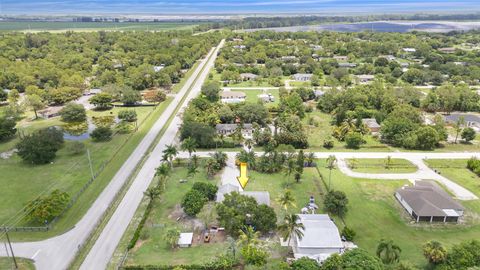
32 27
375 165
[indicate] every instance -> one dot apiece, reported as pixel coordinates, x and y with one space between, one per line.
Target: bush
124 128
207 189
7 128
468 134
101 134
45 209
305 263
254 255
348 233
328 143
73 112
354 140
336 203
76 148
193 202
127 115
40 147
101 100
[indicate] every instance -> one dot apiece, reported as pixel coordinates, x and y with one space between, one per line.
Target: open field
319 128
374 214
23 264
93 26
68 173
375 165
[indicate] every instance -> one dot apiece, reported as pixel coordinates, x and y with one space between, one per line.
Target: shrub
254 255
468 134
473 165
45 209
328 143
336 203
40 147
305 263
101 100
207 189
76 148
101 134
73 112
348 233
124 128
193 202
127 115
354 140
7 128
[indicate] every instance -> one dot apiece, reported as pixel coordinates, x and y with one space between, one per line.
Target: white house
302 77
320 238
158 68
409 50
232 97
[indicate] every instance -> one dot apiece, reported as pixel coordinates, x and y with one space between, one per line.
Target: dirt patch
8 154
186 222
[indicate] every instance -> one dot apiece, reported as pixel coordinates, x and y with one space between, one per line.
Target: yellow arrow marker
243 179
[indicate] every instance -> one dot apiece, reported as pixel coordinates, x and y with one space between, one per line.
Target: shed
248 76
185 240
372 124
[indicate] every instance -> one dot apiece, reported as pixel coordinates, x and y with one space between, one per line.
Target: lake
381 26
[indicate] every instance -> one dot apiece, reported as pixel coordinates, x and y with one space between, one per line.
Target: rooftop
320 232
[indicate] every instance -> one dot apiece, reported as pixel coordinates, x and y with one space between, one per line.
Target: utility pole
11 249
90 163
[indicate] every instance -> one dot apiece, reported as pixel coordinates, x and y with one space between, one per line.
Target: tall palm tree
331 161
249 143
388 162
291 227
194 160
248 236
152 193
286 200
169 153
289 167
310 158
210 165
189 145
388 251
434 252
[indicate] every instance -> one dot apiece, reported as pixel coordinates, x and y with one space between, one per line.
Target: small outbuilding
365 78
426 201
302 77
372 124
185 240
50 112
248 76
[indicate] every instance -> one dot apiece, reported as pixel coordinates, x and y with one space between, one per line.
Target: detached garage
427 202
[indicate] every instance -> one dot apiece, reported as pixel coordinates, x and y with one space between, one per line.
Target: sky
232 6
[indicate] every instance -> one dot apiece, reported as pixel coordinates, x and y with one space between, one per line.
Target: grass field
375 165
23 264
252 96
68 173
93 26
322 129
375 214
151 248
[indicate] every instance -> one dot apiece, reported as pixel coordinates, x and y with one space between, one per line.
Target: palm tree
286 200
388 162
331 161
194 160
249 143
192 170
248 236
458 126
169 153
353 163
388 251
291 227
289 167
434 252
172 236
247 157
220 158
310 158
189 145
152 193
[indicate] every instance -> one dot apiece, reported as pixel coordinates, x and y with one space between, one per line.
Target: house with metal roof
229 129
248 76
261 197
372 124
232 97
302 77
321 238
426 201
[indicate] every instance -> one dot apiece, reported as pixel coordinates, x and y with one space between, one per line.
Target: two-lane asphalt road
58 252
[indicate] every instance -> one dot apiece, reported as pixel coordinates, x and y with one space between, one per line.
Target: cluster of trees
41 146
7 128
237 211
199 194
449 97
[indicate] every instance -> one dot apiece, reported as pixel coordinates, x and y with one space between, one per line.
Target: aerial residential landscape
290 135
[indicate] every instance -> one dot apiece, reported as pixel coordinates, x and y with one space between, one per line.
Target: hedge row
139 228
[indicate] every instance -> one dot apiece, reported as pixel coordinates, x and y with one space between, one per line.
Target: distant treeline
266 22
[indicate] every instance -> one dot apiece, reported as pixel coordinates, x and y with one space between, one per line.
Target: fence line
75 197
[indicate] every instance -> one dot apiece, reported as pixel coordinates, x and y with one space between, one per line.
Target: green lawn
376 165
374 214
69 173
151 248
23 264
318 127
252 96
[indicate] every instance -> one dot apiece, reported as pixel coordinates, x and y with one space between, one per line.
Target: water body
381 26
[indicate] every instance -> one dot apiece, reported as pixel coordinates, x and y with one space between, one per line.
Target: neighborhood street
58 252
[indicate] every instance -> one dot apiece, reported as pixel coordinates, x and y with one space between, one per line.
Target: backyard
252 96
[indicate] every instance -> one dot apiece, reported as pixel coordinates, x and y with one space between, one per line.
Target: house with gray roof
232 97
321 238
347 65
372 124
365 78
229 129
428 202
302 77
261 197
248 76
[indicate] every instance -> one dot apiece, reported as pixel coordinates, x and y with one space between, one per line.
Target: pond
81 131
